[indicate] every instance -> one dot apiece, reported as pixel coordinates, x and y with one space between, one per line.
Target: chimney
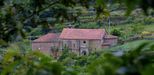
70 25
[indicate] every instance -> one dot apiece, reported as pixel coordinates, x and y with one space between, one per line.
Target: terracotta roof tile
47 38
90 34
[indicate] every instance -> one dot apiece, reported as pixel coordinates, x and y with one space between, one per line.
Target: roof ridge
71 33
84 29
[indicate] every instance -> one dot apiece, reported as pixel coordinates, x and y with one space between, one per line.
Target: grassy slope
149 27
128 46
146 27
133 44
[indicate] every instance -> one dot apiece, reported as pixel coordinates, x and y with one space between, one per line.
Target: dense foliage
138 61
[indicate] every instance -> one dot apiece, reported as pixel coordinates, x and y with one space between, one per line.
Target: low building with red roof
83 41
47 43
80 41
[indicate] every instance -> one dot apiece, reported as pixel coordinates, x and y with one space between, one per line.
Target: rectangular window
65 45
73 45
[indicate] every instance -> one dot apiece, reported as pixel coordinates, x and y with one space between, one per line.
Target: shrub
32 63
36 31
137 29
116 32
138 61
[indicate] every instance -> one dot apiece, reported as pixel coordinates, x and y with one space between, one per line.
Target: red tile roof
47 38
89 34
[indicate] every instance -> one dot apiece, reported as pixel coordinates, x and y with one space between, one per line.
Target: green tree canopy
17 17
